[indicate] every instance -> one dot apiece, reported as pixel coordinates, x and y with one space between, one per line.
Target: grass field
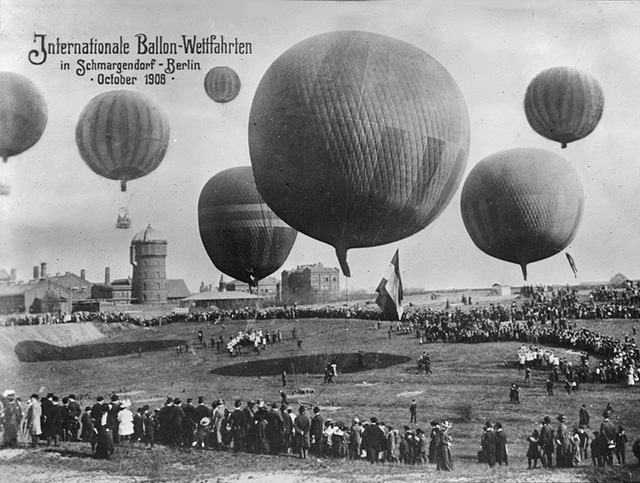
470 384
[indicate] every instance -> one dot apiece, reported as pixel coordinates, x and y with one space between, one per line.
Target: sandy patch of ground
409 393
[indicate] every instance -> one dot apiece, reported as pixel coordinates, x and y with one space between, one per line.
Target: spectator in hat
74 412
34 415
563 443
608 433
149 426
86 432
546 443
621 444
12 417
125 421
374 440
250 429
433 441
501 447
302 430
444 458
533 452
356 439
489 443
583 416
317 428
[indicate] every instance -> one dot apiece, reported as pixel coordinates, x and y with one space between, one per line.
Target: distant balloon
522 205
23 114
357 139
242 236
222 84
122 135
564 104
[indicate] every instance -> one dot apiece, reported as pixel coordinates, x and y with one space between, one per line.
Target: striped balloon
522 205
357 139
564 104
122 135
23 114
222 84
242 236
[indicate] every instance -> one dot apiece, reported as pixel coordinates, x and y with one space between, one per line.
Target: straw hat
446 425
204 422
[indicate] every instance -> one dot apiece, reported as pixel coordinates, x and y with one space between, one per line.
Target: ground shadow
311 364
36 351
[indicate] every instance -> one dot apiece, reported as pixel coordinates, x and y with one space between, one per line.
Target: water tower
147 254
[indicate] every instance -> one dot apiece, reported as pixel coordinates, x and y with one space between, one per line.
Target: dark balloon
522 205
122 135
564 104
357 139
242 236
23 114
222 84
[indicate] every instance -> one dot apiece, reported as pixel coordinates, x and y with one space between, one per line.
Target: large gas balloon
242 236
357 139
522 205
563 104
23 114
122 135
222 84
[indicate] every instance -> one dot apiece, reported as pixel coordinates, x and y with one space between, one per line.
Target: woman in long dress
444 459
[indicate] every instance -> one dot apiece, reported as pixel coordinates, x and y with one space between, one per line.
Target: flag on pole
572 264
390 291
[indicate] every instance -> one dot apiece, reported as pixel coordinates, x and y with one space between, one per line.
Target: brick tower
147 254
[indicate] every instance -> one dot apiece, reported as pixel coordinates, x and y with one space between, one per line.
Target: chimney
36 273
83 274
13 275
107 276
43 270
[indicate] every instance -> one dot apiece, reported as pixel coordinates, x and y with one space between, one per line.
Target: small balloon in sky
23 114
564 104
222 84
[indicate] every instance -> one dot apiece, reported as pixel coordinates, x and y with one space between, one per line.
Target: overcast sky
61 213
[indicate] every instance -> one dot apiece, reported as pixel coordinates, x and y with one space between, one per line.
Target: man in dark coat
275 429
54 420
374 440
176 417
238 425
112 417
164 420
489 443
583 417
608 433
317 429
74 412
302 430
250 429
546 443
501 447
188 423
288 427
433 441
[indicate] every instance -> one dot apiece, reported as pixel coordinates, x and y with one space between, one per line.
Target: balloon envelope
564 104
122 135
222 84
242 236
23 114
522 205
357 139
